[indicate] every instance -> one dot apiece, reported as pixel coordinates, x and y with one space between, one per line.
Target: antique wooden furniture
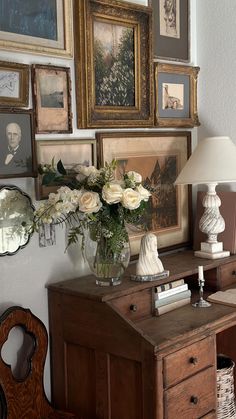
113 359
24 398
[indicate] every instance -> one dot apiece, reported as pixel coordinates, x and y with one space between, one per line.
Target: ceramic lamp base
212 251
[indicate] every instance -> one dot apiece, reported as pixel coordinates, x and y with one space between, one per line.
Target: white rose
131 199
87 170
145 194
89 202
134 176
112 193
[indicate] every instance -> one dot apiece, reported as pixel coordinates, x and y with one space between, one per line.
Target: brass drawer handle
194 399
193 360
133 307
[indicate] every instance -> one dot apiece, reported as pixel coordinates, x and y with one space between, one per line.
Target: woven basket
225 388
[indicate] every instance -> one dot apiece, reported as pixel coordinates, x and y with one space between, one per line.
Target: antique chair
25 397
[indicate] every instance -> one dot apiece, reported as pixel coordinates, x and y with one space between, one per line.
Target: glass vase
107 266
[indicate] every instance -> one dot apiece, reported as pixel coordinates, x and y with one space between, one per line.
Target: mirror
16 218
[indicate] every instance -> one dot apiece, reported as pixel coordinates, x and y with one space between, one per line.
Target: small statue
149 262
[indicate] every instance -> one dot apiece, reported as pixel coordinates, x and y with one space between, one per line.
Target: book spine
169 307
172 298
173 284
171 291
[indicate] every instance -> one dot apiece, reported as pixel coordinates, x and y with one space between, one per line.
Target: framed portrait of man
17 148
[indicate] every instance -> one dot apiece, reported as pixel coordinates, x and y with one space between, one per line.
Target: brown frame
22 84
42 191
55 116
91 113
27 133
142 147
181 75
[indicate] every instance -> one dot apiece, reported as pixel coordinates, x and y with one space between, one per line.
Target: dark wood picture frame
158 157
14 84
176 95
51 87
171 30
114 84
20 159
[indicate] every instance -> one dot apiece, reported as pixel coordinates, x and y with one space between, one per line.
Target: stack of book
168 297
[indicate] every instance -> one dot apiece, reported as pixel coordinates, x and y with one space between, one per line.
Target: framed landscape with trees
113 64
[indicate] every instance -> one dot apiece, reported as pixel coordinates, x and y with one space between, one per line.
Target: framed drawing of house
113 63
14 84
176 95
171 23
158 157
38 27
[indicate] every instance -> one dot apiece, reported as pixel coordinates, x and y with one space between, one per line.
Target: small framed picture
70 152
158 157
171 29
176 95
52 99
17 145
14 84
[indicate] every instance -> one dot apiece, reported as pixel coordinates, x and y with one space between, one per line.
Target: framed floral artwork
113 63
52 98
38 27
17 146
176 95
158 157
14 84
171 27
71 152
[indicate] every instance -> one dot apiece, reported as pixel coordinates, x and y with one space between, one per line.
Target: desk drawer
135 306
193 398
188 361
227 274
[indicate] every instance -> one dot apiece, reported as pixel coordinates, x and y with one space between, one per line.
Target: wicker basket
225 388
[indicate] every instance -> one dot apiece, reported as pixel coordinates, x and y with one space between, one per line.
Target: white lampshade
213 161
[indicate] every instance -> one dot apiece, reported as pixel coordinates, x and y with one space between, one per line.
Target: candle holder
201 303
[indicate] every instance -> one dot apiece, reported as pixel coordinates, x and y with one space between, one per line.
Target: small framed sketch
52 99
14 84
158 157
17 145
176 95
71 152
171 29
38 27
113 63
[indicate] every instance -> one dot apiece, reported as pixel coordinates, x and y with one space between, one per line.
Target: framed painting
17 155
113 63
158 157
38 27
171 22
14 84
52 99
71 152
176 95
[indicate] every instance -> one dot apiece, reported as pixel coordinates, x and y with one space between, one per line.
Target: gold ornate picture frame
51 87
176 95
43 27
113 63
158 157
14 84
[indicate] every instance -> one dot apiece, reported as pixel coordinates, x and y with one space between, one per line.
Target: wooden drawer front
188 361
136 305
193 398
227 274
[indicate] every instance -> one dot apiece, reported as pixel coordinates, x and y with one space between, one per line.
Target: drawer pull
194 400
234 273
193 360
133 307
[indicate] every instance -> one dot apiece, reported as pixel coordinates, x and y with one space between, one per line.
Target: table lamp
212 162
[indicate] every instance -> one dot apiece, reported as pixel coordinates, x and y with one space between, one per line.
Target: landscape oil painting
114 64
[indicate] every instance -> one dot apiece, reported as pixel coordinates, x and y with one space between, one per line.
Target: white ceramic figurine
149 262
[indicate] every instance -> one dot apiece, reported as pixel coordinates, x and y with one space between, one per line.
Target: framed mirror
16 219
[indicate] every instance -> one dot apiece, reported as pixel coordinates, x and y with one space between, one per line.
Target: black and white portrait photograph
17 157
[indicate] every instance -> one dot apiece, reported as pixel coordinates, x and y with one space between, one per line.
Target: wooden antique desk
112 358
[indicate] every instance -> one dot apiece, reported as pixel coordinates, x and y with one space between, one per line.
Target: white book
172 298
169 307
172 291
